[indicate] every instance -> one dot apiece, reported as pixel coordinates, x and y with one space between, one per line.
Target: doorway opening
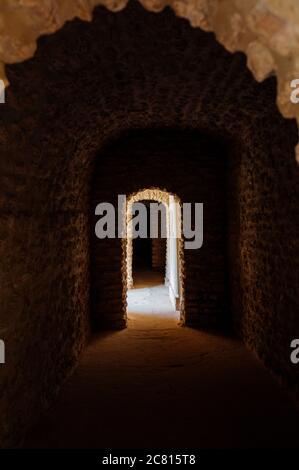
154 259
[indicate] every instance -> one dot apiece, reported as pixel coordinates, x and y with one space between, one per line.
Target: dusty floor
158 385
149 305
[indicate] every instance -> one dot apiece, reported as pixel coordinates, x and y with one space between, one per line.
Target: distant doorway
154 280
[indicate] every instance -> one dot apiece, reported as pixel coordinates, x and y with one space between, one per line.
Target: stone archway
165 154
174 256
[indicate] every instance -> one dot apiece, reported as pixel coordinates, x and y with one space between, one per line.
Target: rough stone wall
148 74
266 30
158 253
265 301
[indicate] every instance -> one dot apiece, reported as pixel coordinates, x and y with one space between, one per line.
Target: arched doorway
193 167
160 279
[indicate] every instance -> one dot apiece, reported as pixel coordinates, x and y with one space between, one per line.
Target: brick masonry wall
88 85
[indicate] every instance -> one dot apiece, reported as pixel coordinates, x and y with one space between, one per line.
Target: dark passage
142 247
142 258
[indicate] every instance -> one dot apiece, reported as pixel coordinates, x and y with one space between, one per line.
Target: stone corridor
186 99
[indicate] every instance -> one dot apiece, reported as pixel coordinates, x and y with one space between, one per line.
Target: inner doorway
154 253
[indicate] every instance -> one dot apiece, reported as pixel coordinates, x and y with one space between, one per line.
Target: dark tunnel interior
128 101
